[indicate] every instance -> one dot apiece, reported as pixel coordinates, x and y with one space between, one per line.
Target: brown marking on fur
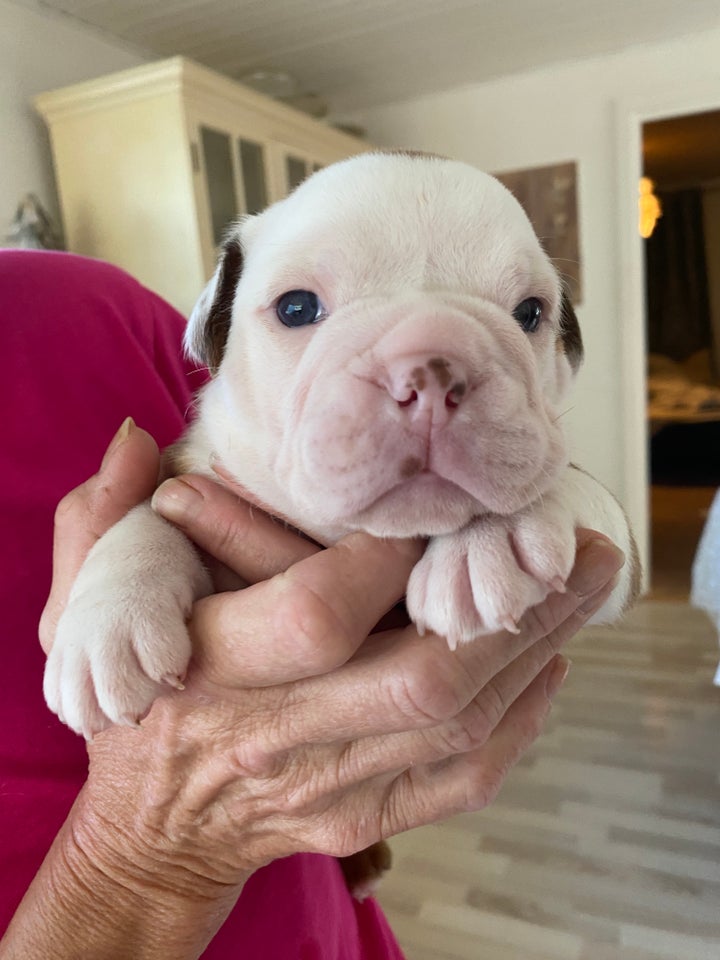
441 368
410 467
570 340
217 322
178 458
171 461
365 868
458 389
418 380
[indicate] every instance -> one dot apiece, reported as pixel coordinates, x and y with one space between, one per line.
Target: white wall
559 114
40 51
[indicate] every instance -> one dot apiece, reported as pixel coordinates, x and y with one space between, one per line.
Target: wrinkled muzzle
426 417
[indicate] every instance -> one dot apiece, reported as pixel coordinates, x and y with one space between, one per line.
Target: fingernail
601 561
120 437
175 499
558 676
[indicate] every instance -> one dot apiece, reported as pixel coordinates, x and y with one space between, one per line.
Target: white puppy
391 352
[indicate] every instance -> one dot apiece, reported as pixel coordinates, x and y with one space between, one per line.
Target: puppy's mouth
422 503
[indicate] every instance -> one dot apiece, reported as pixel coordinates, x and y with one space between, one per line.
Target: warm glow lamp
649 206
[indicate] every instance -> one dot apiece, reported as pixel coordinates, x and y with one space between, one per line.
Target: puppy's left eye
529 314
298 308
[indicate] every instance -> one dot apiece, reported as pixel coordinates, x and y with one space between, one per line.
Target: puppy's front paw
123 633
484 577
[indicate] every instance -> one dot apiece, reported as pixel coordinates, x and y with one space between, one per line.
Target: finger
341 766
311 619
126 477
406 682
471 781
418 794
244 538
469 730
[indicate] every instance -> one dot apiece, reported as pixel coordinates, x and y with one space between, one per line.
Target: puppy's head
391 350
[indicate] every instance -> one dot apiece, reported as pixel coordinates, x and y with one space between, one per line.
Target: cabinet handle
195 157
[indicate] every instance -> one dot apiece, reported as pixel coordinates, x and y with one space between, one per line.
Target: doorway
681 156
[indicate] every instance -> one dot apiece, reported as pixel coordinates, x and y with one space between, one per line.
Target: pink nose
431 388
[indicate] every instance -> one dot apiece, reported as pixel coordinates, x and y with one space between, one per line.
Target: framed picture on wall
549 197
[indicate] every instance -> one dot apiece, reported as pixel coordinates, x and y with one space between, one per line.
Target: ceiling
356 53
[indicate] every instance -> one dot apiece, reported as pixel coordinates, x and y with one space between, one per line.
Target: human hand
294 732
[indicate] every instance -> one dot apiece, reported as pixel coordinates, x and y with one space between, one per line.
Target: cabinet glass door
220 178
252 165
296 170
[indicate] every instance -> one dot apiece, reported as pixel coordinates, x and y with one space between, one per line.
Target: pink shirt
85 346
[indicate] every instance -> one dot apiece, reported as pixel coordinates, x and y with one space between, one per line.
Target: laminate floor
605 841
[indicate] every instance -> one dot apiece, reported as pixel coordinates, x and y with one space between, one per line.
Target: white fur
416 406
124 630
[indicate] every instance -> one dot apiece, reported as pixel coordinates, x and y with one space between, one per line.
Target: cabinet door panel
252 164
296 170
220 180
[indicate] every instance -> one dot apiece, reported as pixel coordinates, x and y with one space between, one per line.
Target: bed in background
681 392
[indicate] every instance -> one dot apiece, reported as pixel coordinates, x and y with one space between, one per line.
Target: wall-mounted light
650 208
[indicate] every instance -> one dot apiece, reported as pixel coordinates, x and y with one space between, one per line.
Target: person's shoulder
39 265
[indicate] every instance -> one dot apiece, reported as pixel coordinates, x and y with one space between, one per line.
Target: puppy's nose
430 388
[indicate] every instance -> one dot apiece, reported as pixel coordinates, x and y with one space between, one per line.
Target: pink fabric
84 346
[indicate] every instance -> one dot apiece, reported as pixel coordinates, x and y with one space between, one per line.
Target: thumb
127 476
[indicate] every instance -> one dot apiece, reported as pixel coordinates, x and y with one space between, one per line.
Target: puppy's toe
161 644
545 550
70 692
439 597
108 660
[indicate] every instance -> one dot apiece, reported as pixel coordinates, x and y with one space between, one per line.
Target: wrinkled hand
294 732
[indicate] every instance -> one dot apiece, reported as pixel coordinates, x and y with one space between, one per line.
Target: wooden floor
605 842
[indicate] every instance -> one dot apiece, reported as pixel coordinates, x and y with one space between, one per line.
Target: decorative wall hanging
549 197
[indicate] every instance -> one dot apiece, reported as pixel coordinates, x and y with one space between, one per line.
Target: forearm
88 903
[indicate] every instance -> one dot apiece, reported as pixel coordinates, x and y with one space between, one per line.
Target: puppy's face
391 350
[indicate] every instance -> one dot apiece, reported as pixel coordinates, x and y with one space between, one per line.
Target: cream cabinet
154 162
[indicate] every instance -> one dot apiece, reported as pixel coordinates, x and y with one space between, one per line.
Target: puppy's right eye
529 314
298 308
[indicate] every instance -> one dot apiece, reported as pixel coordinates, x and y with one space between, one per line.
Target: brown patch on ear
217 325
570 339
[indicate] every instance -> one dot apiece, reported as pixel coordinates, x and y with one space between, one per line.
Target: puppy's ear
209 324
570 339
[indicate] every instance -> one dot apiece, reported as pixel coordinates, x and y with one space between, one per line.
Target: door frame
630 115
